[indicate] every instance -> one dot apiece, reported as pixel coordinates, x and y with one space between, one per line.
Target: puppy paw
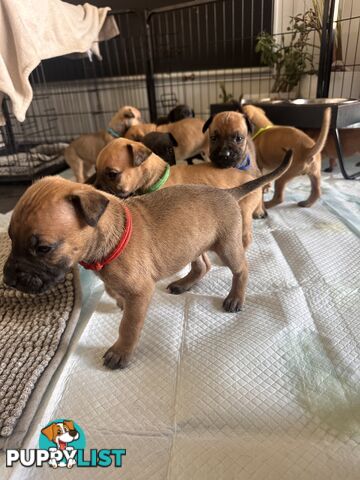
257 215
176 289
114 359
304 204
232 304
328 169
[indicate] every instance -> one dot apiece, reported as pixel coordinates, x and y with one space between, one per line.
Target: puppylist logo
62 444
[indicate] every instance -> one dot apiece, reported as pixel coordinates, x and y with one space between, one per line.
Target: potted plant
290 59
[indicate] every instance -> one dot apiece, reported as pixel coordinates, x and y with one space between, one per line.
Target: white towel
33 30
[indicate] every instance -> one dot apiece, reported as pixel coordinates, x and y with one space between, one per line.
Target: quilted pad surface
272 392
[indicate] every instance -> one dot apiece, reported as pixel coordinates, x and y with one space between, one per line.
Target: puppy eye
239 138
112 174
213 138
42 249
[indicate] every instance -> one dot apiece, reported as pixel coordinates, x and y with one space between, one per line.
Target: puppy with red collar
128 243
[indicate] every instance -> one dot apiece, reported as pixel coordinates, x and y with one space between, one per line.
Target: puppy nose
73 433
226 153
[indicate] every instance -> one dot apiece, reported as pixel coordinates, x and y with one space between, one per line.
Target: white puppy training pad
268 393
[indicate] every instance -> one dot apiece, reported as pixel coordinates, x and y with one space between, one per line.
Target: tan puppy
137 132
230 142
128 243
81 154
350 144
125 167
270 145
187 132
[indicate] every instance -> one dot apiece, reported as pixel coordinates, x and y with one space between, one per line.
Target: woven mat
35 331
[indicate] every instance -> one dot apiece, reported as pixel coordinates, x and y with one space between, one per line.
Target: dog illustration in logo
61 433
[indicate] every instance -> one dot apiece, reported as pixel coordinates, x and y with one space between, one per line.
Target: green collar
160 182
113 132
261 130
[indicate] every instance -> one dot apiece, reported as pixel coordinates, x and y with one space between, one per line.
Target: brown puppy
350 143
230 142
124 167
137 132
270 145
91 226
81 154
187 132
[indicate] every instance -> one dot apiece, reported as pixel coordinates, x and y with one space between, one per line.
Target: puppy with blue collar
230 142
81 154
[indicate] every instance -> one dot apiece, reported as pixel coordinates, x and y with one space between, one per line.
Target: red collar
118 249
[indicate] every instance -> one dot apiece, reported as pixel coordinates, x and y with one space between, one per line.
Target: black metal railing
198 53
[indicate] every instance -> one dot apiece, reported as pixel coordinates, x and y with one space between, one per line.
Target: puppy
161 144
124 167
188 134
230 142
270 145
138 132
176 114
350 143
180 112
127 243
81 154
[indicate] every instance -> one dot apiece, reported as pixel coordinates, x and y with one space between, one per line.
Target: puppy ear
248 123
129 114
172 139
139 153
50 431
207 124
89 205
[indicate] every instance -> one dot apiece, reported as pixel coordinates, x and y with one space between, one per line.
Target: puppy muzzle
30 277
114 191
227 157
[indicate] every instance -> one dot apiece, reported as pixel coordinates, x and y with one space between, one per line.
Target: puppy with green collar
125 167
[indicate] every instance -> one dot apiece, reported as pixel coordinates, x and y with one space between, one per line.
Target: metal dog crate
199 53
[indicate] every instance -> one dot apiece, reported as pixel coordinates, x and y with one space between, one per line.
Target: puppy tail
248 187
321 140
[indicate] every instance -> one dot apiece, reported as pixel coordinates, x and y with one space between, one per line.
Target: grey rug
35 331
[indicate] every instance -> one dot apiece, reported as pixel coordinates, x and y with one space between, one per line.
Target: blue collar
113 132
244 164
